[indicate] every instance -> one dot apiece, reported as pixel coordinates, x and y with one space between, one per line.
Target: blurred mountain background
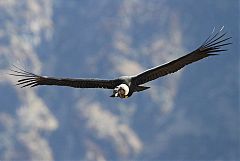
190 115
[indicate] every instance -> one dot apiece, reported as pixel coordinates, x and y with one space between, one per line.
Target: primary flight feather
125 86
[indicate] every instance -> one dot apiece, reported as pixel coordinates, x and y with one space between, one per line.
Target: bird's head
121 91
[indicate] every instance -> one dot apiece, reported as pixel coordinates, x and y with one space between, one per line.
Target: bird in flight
125 86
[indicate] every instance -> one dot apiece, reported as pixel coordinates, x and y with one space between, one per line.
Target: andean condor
125 86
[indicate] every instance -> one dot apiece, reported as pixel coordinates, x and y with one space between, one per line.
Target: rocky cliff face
107 39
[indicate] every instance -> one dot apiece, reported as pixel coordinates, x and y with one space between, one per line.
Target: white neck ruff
125 87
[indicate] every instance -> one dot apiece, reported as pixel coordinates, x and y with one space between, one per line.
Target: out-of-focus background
190 115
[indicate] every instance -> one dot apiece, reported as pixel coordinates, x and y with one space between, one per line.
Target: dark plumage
125 86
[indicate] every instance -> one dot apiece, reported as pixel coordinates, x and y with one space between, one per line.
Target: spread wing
213 44
31 80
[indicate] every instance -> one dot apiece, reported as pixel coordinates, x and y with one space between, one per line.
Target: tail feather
141 88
